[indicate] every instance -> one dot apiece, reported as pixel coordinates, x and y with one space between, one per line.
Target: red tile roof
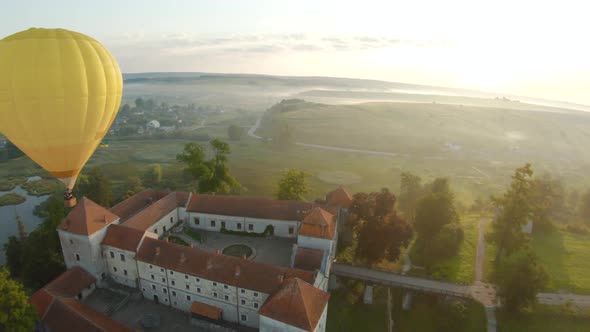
151 214
70 283
68 315
182 198
229 270
339 197
135 203
41 300
122 237
249 207
319 223
296 303
205 310
308 259
87 218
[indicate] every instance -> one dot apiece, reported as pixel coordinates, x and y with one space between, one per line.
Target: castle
128 244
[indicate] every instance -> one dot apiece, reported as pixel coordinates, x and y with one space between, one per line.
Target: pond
8 213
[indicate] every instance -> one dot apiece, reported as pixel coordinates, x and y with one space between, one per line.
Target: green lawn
8 183
544 319
427 314
566 258
348 313
459 268
195 235
11 199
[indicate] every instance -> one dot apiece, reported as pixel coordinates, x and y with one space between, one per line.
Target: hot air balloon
60 92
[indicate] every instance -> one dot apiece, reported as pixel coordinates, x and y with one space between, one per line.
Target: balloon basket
70 203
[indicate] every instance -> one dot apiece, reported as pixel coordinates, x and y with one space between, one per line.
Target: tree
97 187
16 314
212 175
437 224
293 185
548 202
514 211
140 103
133 185
584 207
382 233
153 175
235 133
10 151
410 192
519 278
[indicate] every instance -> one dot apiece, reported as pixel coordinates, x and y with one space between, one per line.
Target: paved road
392 279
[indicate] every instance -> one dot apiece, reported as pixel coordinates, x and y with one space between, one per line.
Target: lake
8 224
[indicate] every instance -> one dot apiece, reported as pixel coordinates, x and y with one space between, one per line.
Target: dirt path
481 250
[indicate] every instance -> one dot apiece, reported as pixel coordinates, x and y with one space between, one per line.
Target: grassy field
348 313
11 199
544 319
460 268
427 314
565 257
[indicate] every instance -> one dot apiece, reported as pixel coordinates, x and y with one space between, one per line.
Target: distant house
153 124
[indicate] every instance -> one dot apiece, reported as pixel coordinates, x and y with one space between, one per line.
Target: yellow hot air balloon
60 92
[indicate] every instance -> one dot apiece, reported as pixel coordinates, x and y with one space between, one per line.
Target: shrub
577 229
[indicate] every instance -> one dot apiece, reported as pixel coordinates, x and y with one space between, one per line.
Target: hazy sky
529 47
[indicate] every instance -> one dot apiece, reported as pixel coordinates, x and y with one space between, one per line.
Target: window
171 219
255 294
150 266
198 280
243 291
122 258
214 284
291 230
171 272
175 303
225 286
196 220
187 287
173 282
164 290
239 225
250 227
198 289
243 317
223 224
112 254
161 269
243 302
186 277
125 272
114 269
163 280
174 293
78 257
255 305
156 230
212 223
164 229
188 297
71 241
153 277
214 294
165 300
143 289
227 298
154 287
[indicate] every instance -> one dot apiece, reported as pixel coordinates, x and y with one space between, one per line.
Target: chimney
209 264
105 219
237 273
157 251
182 257
281 277
323 231
192 245
244 258
166 239
218 252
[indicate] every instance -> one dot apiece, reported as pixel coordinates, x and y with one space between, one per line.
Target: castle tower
81 234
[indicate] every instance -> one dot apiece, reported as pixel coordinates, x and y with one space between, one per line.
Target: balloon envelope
60 92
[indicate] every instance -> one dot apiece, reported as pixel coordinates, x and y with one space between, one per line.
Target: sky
532 48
